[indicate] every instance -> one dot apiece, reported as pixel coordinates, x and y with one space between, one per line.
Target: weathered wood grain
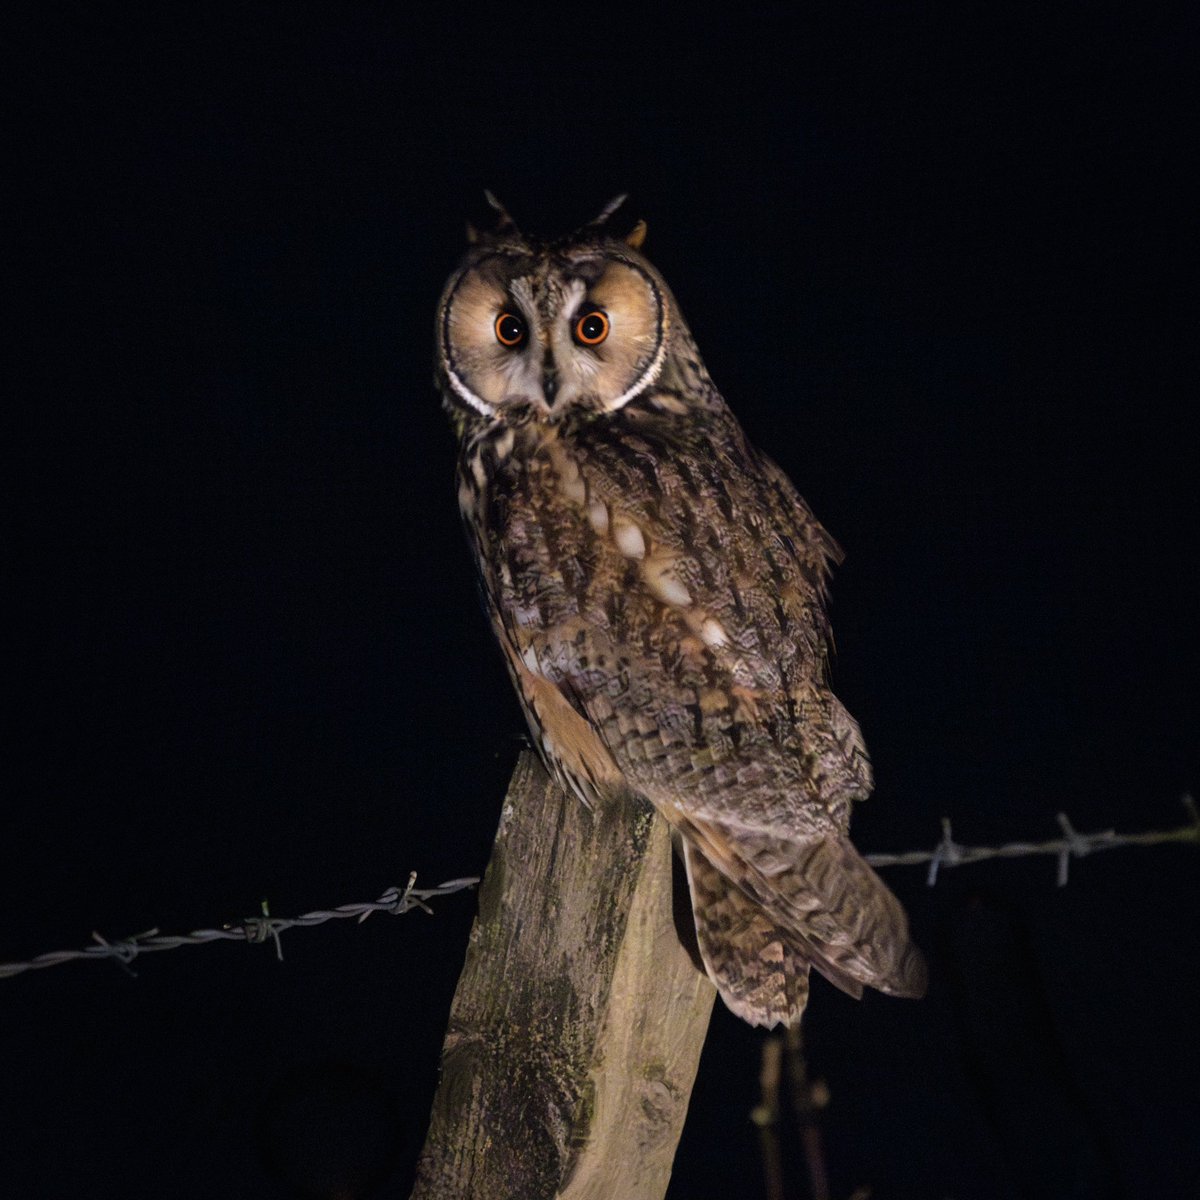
577 1025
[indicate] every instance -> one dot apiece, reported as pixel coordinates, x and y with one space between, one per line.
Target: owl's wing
824 903
672 640
776 884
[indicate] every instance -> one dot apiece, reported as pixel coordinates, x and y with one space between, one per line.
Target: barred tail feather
761 975
817 903
848 919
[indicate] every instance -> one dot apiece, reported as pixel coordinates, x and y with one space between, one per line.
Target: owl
658 589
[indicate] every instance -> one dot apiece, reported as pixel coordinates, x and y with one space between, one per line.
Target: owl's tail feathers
850 924
820 902
761 975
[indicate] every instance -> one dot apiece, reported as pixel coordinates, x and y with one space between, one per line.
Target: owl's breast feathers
670 583
658 589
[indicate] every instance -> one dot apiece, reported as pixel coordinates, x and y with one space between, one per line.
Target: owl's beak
549 380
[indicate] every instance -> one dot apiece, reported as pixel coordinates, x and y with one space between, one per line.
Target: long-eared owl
658 589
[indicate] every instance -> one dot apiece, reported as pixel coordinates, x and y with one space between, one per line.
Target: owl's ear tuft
601 218
634 238
504 223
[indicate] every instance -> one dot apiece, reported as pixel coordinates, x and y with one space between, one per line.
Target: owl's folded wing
722 753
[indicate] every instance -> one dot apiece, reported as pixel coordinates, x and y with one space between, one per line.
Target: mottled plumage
657 586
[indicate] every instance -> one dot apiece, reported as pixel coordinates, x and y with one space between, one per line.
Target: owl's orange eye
592 328
510 330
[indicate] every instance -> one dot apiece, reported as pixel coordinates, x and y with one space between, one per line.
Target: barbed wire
1072 844
254 930
260 929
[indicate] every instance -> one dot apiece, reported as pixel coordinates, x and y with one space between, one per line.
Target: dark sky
938 266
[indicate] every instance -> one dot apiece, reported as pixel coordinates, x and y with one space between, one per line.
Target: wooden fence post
577 1025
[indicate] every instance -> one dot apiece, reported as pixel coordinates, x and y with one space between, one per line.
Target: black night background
938 264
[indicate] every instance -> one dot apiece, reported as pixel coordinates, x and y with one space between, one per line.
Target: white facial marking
469 396
572 298
647 377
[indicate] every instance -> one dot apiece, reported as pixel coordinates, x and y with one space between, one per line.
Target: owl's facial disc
552 332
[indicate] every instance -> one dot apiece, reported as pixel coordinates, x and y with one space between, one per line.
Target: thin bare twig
766 1117
809 1097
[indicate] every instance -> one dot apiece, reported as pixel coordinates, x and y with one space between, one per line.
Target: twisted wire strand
252 929
1072 844
264 928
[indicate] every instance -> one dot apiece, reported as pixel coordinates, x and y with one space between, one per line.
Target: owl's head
546 327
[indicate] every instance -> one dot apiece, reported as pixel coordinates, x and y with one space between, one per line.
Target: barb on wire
396 900
253 929
1072 844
